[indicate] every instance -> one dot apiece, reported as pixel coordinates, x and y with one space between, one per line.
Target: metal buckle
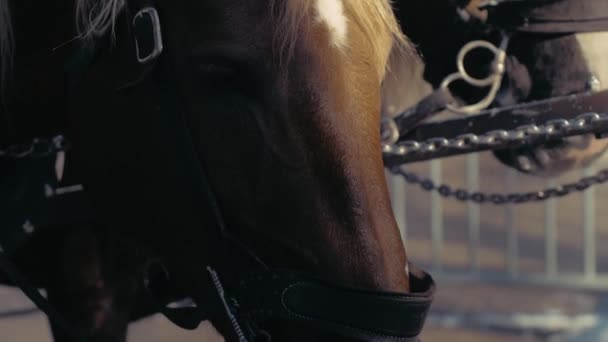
148 13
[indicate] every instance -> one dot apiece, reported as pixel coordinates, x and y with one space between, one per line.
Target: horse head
255 122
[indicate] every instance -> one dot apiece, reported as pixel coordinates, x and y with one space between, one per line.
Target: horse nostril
217 70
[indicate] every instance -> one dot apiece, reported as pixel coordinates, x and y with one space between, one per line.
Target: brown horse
540 65
281 100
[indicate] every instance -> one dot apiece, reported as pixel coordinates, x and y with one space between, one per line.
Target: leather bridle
243 293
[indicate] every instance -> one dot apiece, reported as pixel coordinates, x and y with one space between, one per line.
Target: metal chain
495 139
500 199
553 129
38 148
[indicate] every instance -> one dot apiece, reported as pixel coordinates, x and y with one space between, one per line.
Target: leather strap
351 313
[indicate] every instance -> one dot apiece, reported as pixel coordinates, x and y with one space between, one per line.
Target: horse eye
224 76
217 70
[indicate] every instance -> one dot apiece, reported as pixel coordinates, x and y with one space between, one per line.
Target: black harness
244 294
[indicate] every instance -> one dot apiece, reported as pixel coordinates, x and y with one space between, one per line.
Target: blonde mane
375 17
97 17
378 21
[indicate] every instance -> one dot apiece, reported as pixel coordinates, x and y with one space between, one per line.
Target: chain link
500 199
497 138
38 148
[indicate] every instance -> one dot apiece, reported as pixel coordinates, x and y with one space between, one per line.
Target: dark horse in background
563 55
247 138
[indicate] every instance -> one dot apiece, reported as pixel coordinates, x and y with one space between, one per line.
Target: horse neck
35 98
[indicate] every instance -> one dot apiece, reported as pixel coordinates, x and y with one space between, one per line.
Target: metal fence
417 213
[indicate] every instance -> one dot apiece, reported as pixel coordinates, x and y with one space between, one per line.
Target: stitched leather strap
367 315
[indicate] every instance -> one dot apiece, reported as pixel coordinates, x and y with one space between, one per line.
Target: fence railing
418 213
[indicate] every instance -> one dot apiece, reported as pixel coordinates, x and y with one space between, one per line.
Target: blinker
148 36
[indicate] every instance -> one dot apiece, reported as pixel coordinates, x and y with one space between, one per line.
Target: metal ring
157 34
494 79
499 55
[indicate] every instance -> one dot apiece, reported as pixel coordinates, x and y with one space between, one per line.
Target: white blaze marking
331 12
